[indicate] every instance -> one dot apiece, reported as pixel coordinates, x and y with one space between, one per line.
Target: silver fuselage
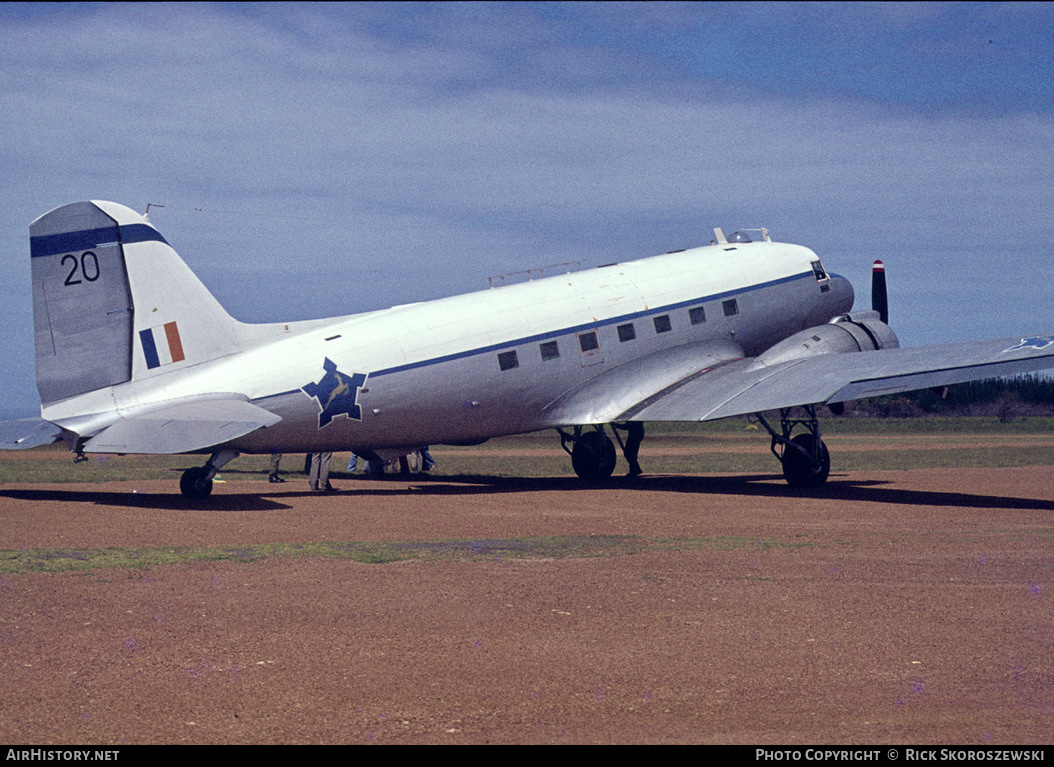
442 371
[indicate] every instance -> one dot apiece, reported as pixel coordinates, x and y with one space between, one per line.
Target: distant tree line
1005 398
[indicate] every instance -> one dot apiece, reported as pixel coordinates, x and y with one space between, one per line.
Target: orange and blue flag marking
161 345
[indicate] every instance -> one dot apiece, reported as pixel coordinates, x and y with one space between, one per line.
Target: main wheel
193 483
798 469
593 456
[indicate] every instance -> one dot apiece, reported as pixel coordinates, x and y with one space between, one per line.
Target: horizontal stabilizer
184 427
749 386
26 433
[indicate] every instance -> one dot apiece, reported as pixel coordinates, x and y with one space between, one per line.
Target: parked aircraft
134 355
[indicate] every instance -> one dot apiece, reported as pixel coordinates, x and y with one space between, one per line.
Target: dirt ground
893 607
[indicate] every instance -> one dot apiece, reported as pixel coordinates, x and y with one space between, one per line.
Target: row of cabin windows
627 332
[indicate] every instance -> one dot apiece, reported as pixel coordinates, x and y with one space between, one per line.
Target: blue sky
319 160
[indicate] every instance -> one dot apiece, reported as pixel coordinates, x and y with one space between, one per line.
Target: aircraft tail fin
113 302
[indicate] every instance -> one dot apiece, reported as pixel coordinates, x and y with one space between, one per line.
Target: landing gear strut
197 482
592 453
806 461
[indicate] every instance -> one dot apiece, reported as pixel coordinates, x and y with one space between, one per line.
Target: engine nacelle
857 332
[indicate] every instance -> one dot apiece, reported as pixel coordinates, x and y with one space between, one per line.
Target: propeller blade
879 302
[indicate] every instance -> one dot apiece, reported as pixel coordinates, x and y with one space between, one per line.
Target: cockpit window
817 269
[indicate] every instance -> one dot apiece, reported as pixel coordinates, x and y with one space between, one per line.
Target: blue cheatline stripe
590 325
146 337
67 242
575 329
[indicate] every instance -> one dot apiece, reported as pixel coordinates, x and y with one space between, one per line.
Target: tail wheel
806 467
593 456
195 483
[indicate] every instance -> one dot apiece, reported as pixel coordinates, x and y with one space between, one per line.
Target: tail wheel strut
196 483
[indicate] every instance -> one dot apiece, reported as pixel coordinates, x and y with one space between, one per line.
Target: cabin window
550 351
508 361
697 315
662 324
626 332
731 307
588 341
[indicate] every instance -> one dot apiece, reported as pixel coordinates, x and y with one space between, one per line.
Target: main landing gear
197 482
804 456
592 453
806 462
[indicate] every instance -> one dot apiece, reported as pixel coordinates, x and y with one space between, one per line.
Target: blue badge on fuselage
1036 342
337 393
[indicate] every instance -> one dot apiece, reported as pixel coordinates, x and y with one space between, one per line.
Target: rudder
82 303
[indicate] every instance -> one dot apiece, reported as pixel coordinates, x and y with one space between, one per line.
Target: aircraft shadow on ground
845 488
171 501
838 487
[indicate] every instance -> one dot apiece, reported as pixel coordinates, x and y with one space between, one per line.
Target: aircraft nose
842 294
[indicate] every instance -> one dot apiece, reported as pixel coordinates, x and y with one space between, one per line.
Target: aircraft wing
182 427
26 433
750 386
601 398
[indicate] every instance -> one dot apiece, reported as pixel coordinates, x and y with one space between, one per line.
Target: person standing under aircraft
634 436
273 477
319 477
